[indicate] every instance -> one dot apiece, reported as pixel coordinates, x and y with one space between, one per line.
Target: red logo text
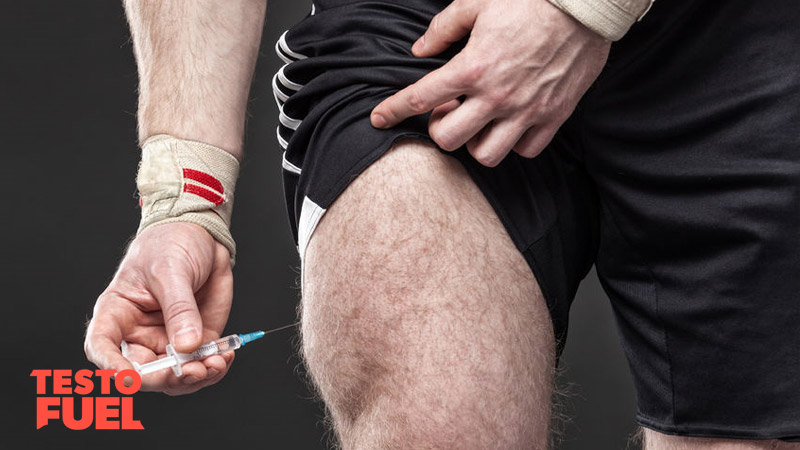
101 413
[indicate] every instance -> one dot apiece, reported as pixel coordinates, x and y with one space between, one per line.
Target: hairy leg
654 440
423 327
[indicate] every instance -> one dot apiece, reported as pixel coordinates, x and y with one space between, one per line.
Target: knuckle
519 106
531 152
496 99
87 350
502 99
551 110
540 109
486 158
562 113
99 304
443 139
167 264
531 149
222 254
416 102
435 26
473 73
489 161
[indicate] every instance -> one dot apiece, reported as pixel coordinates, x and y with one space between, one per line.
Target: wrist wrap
187 181
609 18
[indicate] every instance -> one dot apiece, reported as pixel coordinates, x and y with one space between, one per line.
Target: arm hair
196 60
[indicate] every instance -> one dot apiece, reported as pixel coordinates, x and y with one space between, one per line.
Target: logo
60 402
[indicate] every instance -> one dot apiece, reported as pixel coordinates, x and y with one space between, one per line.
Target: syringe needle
282 328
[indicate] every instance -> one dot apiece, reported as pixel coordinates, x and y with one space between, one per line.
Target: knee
348 376
372 405
387 382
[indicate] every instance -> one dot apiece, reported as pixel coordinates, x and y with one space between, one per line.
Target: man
436 286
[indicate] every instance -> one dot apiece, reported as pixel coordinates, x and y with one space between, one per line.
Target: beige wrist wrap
609 18
187 181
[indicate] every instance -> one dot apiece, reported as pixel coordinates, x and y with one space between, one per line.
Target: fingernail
190 379
212 373
186 337
378 121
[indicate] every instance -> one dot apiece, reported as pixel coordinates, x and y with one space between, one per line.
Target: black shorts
678 176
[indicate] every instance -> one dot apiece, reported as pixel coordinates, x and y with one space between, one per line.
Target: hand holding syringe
175 360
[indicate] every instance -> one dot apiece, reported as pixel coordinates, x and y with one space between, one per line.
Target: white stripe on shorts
289 166
281 140
310 214
287 121
285 48
289 84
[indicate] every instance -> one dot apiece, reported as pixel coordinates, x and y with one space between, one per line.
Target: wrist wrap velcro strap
187 181
609 18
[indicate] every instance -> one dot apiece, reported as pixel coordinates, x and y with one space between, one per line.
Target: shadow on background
67 122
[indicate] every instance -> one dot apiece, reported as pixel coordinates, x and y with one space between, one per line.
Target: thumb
173 290
446 28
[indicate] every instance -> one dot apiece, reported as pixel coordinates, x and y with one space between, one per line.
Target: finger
462 123
138 353
446 28
435 88
228 357
102 344
153 337
440 111
165 380
473 142
172 287
496 142
215 365
189 382
535 140
216 370
193 372
154 381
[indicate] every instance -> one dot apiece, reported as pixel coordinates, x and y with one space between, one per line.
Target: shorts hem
528 251
720 432
367 160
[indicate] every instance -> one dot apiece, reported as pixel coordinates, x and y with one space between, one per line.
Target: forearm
196 60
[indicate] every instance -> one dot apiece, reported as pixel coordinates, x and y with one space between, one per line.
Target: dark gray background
68 135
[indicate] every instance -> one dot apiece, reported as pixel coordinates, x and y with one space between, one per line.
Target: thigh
423 325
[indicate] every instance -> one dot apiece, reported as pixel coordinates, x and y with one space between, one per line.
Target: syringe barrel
221 345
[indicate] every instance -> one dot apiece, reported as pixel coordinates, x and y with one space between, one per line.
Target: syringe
175 360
